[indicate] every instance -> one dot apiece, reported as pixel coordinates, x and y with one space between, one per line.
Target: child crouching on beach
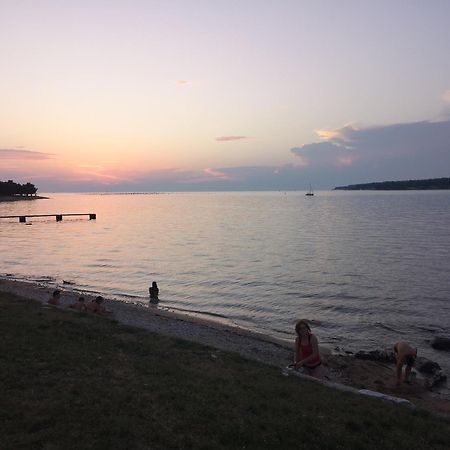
405 355
307 356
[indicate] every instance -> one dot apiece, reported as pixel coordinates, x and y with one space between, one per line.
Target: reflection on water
366 268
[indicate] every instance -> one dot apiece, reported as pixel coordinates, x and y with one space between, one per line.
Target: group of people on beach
95 306
307 356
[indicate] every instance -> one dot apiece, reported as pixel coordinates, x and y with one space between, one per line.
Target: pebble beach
342 371
152 318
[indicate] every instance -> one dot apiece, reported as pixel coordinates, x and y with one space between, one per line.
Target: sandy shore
340 370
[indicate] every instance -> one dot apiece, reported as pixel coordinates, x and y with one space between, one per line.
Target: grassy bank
76 381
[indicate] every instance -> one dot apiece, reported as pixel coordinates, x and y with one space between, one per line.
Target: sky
142 95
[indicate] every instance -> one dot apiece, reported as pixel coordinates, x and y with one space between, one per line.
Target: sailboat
310 192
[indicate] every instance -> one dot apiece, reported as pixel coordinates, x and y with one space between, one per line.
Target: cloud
186 177
21 154
347 155
325 153
398 151
91 166
446 96
216 174
90 172
330 134
231 138
176 179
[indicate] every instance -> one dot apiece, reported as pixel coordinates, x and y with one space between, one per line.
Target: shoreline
215 334
15 198
341 370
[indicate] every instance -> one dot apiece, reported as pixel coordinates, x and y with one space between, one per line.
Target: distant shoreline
15 198
406 185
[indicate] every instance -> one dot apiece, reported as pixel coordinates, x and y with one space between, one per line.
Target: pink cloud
230 138
216 174
7 153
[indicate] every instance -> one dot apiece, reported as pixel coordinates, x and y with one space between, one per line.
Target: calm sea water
367 268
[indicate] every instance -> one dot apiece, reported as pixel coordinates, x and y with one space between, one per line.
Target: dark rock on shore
435 375
441 343
376 355
432 370
427 366
437 378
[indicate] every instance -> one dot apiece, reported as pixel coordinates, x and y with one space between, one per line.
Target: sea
365 268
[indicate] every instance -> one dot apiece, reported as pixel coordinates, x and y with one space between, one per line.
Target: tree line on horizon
10 188
429 184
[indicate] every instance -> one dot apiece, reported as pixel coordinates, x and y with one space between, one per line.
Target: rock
389 398
435 375
441 343
376 355
438 377
428 367
339 351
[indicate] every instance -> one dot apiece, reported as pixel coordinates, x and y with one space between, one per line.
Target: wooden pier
59 217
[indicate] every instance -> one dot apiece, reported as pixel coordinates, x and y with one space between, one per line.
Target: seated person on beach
405 355
55 298
79 305
96 307
307 354
154 292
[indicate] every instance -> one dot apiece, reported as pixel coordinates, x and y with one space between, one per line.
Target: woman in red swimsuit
307 354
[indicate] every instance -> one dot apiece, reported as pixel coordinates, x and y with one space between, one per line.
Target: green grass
75 381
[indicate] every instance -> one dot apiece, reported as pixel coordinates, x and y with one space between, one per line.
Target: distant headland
406 185
11 191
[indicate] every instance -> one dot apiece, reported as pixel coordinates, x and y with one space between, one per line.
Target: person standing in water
153 290
307 354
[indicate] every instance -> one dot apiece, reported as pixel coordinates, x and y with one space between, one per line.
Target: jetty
59 217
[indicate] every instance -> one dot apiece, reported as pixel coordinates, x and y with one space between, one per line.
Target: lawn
75 381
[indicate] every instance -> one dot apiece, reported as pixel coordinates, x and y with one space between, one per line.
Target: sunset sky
175 95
